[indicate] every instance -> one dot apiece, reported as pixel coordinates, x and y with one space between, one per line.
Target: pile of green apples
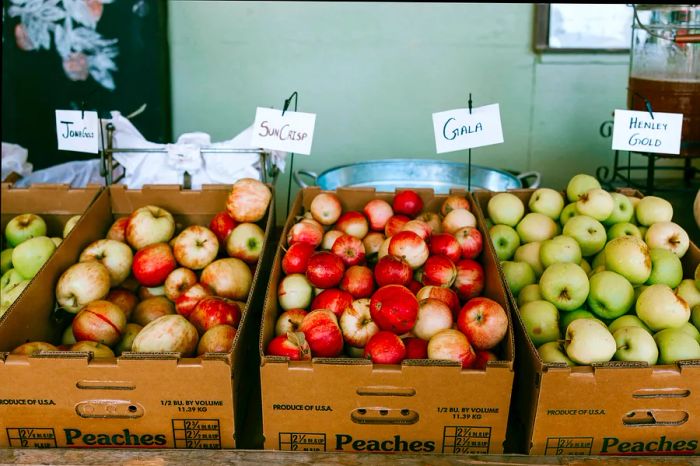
28 249
597 274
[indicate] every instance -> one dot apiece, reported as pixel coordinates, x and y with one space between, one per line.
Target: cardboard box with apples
178 382
608 354
359 349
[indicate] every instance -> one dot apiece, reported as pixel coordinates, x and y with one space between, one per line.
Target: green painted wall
375 72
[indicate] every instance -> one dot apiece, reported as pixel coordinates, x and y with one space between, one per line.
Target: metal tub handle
535 184
297 177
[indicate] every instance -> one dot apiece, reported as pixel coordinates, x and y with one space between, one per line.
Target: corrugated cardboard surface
353 405
144 401
614 408
55 203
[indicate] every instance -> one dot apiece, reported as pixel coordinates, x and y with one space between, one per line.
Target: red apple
222 224
248 200
356 323
418 227
326 208
125 299
195 247
433 316
150 309
358 280
33 347
333 299
385 348
178 281
407 202
305 231
451 345
446 295
452 202
289 321
483 321
329 238
100 321
294 291
394 308
351 250
117 231
378 212
445 244
457 219
215 310
296 258
229 278
410 247
218 339
470 241
320 327
292 345
482 359
246 242
394 224
414 286
186 302
113 254
153 263
416 348
392 270
353 223
439 270
325 269
470 279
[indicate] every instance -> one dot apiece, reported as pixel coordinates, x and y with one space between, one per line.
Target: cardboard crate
55 203
343 404
615 408
64 399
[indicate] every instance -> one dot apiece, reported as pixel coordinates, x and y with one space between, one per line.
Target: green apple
25 226
567 213
588 232
688 291
697 277
676 345
560 249
668 235
629 256
627 320
31 255
67 338
622 212
541 321
566 317
643 230
529 293
536 227
598 260
635 344
623 229
10 278
638 290
588 341
56 240
611 295
596 203
585 266
691 330
634 200
666 268
517 275
695 316
530 253
565 285
5 260
652 209
489 223
659 307
70 224
547 201
579 184
505 209
505 241
10 294
553 351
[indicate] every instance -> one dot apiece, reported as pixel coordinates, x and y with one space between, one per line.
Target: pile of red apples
388 283
147 288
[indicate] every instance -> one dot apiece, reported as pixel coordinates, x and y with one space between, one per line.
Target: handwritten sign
292 132
458 129
77 131
639 132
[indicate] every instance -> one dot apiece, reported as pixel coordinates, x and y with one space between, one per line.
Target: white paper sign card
291 132
638 132
458 129
77 131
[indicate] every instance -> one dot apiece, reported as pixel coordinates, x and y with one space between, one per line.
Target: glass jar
665 66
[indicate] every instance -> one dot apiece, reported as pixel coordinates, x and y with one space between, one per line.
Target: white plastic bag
14 159
78 174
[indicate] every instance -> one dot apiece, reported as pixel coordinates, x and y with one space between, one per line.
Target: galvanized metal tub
440 175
